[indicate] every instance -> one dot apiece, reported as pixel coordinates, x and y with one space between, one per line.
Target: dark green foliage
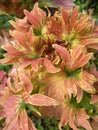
81 4
1 122
85 103
27 3
4 21
48 124
75 73
5 68
88 4
2 52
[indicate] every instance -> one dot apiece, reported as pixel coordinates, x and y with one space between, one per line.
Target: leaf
2 121
33 109
41 100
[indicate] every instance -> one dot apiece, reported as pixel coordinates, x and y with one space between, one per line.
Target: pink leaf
74 17
50 68
65 16
21 39
84 60
27 83
76 52
24 120
41 100
62 52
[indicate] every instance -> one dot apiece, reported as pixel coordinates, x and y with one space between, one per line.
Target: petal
74 86
62 52
86 86
93 45
21 39
11 107
89 77
89 41
34 63
41 100
31 18
4 82
9 60
13 124
65 16
69 87
36 16
79 95
49 67
94 99
10 85
31 125
30 37
2 74
27 83
64 118
80 25
82 120
71 120
74 17
55 87
84 60
76 52
24 120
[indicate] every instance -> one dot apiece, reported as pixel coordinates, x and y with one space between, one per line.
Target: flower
80 29
30 47
72 79
23 50
74 118
36 17
76 28
50 57
16 119
18 96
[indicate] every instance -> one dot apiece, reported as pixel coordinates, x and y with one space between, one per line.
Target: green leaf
85 102
40 128
22 106
33 109
2 121
75 73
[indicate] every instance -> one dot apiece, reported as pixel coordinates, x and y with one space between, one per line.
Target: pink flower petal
65 16
74 17
27 83
13 124
84 60
86 86
82 120
49 67
94 99
41 100
36 16
76 52
62 51
23 120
